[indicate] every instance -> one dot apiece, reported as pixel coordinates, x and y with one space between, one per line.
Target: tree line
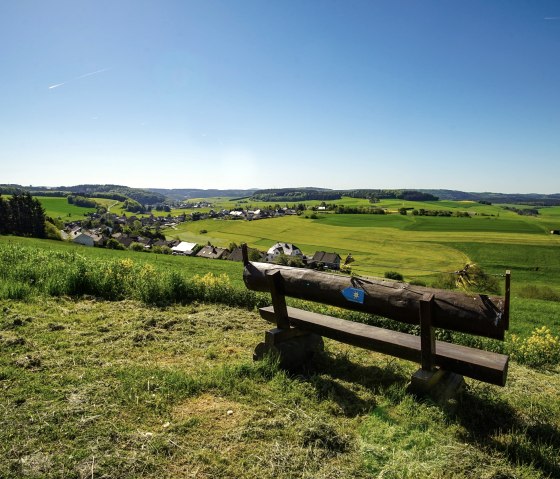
22 215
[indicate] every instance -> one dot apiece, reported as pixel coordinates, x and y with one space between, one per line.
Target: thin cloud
56 85
552 18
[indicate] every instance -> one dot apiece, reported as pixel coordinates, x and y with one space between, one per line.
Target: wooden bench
298 334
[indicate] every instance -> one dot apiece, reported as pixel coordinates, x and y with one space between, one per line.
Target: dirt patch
214 413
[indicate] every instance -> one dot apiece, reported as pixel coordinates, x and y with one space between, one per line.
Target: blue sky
239 94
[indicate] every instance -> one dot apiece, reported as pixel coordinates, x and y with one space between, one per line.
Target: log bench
298 334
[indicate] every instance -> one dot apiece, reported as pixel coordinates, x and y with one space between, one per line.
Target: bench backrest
468 313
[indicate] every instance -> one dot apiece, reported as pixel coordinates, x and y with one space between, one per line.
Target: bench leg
438 385
293 347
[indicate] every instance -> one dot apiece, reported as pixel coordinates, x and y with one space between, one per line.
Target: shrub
393 275
472 278
136 246
539 349
345 269
112 243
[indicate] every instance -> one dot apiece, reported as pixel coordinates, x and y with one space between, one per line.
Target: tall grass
27 272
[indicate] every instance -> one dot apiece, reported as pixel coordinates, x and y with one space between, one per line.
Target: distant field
418 247
60 208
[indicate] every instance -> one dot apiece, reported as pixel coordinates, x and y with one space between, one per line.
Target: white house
85 239
288 249
184 248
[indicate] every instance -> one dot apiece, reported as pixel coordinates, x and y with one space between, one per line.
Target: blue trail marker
354 295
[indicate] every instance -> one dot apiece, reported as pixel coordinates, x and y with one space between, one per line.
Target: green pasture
425 259
59 208
418 247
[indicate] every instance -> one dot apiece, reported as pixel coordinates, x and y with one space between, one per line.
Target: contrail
92 73
552 18
56 85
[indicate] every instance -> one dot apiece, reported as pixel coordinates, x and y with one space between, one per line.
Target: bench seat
474 363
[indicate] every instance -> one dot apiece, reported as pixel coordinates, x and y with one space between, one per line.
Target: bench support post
427 334
428 381
294 347
278 299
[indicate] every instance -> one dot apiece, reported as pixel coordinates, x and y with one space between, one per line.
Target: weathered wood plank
474 363
473 314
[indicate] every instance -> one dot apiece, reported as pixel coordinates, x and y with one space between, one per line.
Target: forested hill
151 196
116 192
180 194
519 198
306 194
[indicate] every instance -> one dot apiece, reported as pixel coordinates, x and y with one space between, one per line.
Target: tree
22 215
4 217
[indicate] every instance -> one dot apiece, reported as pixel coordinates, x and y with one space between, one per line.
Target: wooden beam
456 311
474 363
245 254
276 286
507 298
427 335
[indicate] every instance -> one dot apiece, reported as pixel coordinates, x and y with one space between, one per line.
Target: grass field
59 208
418 247
528 312
116 389
189 267
95 388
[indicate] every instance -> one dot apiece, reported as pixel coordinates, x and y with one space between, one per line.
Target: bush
393 275
345 269
112 243
136 247
540 349
472 278
52 232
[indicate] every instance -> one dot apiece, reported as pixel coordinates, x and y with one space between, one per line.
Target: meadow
419 247
126 364
59 208
94 388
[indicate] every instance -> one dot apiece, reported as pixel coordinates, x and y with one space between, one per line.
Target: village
145 234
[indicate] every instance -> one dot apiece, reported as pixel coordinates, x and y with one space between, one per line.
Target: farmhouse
237 254
184 248
287 249
88 239
213 252
329 260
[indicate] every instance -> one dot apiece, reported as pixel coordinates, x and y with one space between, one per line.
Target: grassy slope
60 208
98 389
415 246
188 267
